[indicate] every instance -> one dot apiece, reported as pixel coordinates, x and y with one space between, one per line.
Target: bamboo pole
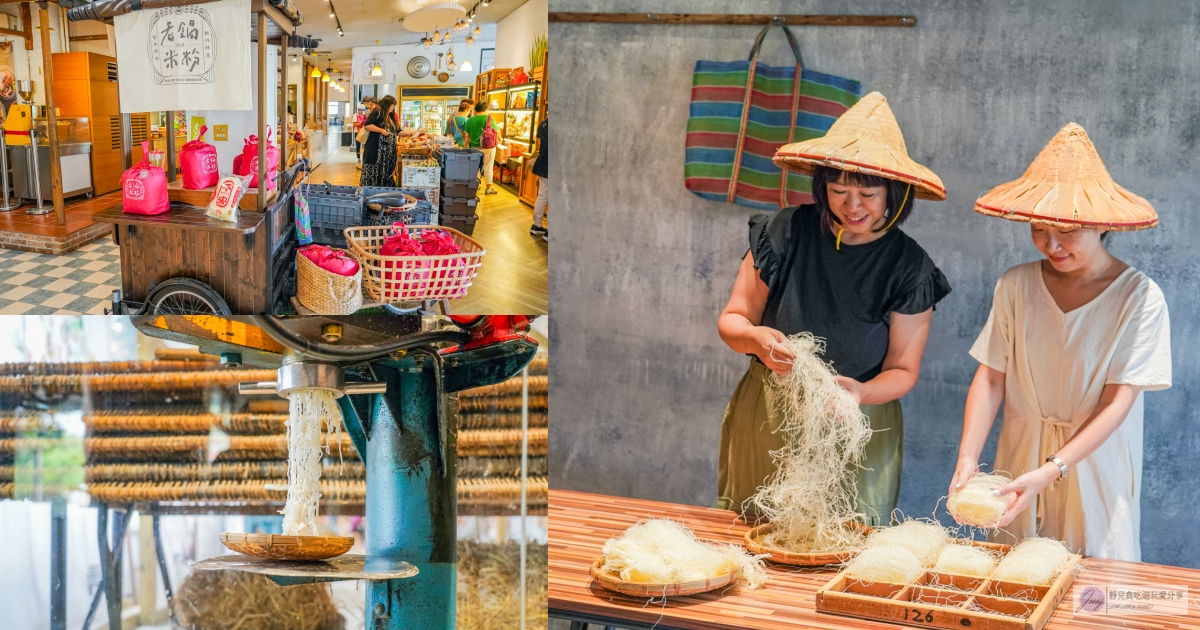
60 211
282 105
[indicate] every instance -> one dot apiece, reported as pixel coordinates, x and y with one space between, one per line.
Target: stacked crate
459 186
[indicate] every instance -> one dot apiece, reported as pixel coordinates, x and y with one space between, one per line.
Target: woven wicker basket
393 279
613 582
754 542
327 293
287 547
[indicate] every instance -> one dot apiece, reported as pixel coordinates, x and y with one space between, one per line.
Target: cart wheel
185 296
403 308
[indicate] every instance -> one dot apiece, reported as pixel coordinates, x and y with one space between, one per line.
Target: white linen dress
1055 368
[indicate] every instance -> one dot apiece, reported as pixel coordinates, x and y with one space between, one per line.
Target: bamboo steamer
278 547
754 542
613 582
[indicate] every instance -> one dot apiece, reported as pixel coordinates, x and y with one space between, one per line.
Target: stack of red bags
333 261
426 243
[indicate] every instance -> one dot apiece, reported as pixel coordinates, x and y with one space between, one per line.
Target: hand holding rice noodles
975 505
812 495
307 409
661 551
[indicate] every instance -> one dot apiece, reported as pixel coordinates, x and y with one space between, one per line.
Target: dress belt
1054 436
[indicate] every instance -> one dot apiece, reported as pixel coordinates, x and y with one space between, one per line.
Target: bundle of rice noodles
1035 561
893 564
965 559
308 410
974 504
661 551
924 540
812 496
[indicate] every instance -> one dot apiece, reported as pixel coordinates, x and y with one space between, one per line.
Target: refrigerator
429 115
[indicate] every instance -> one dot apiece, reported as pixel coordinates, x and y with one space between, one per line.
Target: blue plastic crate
330 213
459 164
327 188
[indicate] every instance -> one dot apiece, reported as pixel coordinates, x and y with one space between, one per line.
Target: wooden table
580 523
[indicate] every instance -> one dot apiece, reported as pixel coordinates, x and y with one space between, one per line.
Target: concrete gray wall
641 267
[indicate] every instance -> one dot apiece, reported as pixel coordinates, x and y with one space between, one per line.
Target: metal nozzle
299 374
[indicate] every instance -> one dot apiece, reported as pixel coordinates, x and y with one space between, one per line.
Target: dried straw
488 576
239 600
812 495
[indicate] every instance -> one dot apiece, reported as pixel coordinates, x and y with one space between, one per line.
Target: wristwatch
1062 466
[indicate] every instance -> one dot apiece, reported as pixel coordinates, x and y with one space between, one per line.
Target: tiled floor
81 282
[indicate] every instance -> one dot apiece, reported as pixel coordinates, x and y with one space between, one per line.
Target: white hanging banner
185 58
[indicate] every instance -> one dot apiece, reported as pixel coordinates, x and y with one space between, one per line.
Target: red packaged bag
144 189
333 261
247 162
427 243
198 161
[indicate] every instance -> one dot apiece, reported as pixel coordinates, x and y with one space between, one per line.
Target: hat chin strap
841 228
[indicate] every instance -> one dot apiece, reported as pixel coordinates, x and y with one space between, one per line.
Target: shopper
540 170
454 126
360 119
1073 340
379 152
842 270
475 128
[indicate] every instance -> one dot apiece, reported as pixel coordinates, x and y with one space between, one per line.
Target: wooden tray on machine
613 582
754 542
952 602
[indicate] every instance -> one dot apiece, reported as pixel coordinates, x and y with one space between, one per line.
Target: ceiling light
452 66
477 32
324 78
465 67
470 42
486 2
330 15
315 73
447 39
428 43
377 69
437 37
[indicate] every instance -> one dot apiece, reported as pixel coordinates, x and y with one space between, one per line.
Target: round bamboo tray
613 582
754 542
287 547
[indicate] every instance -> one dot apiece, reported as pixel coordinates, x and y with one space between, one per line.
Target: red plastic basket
393 279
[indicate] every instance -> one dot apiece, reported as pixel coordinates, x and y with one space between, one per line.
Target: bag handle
737 155
762 35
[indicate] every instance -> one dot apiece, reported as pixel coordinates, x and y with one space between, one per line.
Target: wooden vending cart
184 262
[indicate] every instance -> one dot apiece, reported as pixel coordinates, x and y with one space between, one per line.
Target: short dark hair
481 106
896 192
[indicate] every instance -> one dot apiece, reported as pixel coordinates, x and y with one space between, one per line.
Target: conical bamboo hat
865 139
1067 185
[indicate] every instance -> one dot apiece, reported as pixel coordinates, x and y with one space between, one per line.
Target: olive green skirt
750 432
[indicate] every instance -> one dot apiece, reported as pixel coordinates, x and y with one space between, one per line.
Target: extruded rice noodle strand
662 551
975 505
308 409
895 565
1035 561
811 496
965 559
924 540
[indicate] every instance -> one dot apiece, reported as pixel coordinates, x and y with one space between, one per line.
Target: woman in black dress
842 270
379 152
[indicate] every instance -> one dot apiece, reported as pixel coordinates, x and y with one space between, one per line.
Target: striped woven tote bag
733 131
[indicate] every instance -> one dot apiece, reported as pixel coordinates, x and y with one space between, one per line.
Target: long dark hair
896 192
387 109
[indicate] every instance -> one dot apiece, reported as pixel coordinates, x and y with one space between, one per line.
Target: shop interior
129 452
63 217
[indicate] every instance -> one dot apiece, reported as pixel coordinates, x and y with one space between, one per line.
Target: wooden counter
178 194
580 523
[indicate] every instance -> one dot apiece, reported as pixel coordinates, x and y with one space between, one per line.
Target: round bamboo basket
280 547
327 293
613 582
754 542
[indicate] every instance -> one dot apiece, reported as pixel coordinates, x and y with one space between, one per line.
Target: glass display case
428 115
69 130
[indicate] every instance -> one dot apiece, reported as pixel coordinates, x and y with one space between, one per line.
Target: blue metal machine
394 381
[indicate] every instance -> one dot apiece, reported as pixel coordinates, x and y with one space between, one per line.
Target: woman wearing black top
379 151
840 269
